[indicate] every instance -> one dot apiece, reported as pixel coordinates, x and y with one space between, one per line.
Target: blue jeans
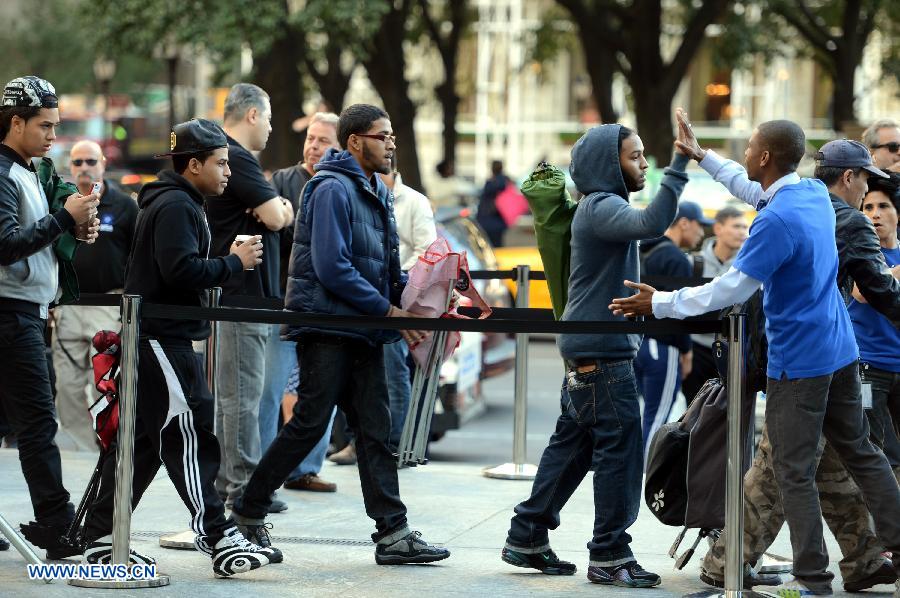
349 373
399 387
281 358
600 427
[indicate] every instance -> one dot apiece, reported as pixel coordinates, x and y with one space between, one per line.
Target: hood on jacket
707 250
166 181
595 162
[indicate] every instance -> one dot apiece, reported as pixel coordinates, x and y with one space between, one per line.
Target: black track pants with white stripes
173 427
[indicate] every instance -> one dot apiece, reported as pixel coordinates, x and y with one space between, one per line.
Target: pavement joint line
474 525
280 539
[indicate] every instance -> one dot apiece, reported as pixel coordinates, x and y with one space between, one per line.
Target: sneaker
277 505
897 589
796 589
751 578
4 544
235 554
100 552
409 549
345 456
883 575
312 483
628 575
259 535
51 538
546 562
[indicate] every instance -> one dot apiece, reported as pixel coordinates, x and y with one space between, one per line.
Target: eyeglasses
88 161
892 146
378 136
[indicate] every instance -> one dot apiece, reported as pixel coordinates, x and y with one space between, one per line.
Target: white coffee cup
239 239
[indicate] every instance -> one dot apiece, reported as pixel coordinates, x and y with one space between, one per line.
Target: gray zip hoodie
712 267
605 233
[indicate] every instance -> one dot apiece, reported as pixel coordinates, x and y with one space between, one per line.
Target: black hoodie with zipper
169 261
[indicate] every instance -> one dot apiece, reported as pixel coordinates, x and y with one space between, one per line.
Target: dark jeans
884 416
27 401
798 412
599 429
349 373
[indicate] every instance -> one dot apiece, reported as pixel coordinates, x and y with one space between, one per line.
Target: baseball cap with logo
195 136
692 211
846 153
29 92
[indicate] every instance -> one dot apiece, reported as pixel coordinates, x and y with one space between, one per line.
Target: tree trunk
446 94
653 111
386 66
333 85
601 65
843 111
277 73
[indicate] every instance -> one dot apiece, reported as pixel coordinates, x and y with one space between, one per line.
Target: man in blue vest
345 261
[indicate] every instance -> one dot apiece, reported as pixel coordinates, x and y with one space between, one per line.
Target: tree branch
813 20
693 37
433 31
597 24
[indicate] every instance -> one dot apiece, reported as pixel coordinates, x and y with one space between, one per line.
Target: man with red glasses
101 269
345 261
883 140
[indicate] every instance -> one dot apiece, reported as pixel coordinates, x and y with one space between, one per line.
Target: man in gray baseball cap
845 166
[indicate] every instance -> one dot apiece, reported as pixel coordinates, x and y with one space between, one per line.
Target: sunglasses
88 161
378 136
892 146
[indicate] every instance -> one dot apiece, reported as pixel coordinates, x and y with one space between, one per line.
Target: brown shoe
345 456
312 483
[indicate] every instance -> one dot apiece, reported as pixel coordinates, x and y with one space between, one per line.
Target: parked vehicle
479 356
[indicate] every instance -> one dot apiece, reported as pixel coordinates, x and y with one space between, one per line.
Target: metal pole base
773 563
511 471
179 540
730 594
121 584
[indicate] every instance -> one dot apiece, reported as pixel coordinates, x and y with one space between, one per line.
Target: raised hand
686 142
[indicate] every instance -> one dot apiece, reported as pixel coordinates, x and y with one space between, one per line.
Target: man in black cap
29 283
175 410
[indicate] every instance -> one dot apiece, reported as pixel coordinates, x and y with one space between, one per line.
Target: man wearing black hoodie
174 424
600 425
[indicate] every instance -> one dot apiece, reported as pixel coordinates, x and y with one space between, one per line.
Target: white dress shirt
415 223
734 177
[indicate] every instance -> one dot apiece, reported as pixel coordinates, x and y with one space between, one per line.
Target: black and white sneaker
259 535
100 552
408 550
235 554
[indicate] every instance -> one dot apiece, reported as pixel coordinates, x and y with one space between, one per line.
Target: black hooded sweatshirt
169 256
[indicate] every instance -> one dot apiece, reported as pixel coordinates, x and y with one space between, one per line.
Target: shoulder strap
698 265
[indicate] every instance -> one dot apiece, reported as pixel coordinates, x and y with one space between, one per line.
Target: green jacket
553 210
64 247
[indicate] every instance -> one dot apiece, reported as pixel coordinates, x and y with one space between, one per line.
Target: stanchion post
131 313
519 469
121 526
734 471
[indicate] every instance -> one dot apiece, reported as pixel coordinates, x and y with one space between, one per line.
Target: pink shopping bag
426 293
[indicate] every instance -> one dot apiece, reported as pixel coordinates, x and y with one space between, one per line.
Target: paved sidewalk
325 539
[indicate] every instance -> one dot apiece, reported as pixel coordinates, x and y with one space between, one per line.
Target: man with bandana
29 283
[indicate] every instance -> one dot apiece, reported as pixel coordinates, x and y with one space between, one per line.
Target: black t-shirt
228 217
101 266
289 183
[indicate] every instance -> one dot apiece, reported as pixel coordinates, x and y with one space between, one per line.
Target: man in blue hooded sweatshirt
600 424
345 260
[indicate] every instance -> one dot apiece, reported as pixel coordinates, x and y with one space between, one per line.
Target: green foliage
554 35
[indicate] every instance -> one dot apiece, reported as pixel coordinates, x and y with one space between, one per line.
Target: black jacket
169 256
861 261
289 183
660 257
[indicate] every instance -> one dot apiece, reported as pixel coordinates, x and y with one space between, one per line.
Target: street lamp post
104 71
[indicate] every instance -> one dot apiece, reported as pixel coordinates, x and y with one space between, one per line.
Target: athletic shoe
882 575
100 552
408 550
234 554
277 505
751 578
4 545
259 535
50 538
345 456
546 562
797 589
628 575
